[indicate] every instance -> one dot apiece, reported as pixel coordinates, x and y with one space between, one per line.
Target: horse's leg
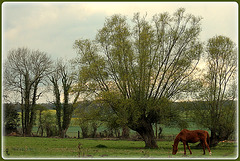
205 142
184 145
189 148
203 146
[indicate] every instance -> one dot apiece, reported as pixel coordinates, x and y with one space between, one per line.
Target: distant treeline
182 106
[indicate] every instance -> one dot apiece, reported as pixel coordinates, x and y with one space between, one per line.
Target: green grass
36 147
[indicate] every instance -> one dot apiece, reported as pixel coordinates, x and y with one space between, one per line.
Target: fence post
78 134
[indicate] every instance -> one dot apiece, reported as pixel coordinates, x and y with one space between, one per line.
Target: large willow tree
137 67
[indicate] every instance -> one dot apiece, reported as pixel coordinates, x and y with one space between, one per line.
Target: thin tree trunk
23 124
125 132
156 131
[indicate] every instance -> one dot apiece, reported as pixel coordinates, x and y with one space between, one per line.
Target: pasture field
37 147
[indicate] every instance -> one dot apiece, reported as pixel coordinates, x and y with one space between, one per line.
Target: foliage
88 115
40 109
173 116
49 123
46 122
136 68
11 118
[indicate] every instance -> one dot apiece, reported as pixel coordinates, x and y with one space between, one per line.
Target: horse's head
175 149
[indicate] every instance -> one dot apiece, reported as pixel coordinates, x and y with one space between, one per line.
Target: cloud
53 27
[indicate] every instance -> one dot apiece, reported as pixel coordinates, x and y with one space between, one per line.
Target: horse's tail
208 139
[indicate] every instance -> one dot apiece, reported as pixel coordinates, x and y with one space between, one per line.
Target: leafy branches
135 67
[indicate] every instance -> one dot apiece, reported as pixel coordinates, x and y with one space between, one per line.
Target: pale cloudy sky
53 27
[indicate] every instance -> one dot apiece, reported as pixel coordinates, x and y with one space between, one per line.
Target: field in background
37 147
168 133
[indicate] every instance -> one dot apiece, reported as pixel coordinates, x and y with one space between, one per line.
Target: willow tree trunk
146 131
214 140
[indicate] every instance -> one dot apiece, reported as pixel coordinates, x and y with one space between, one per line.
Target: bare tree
24 71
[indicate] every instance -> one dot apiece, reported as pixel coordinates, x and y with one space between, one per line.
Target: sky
53 27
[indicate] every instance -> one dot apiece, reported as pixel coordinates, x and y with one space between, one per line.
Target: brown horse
187 136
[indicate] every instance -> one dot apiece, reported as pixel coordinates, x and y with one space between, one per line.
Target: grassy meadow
37 147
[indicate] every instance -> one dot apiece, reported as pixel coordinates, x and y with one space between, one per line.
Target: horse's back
202 132
193 136
195 131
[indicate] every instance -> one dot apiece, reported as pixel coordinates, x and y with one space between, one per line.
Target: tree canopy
137 67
